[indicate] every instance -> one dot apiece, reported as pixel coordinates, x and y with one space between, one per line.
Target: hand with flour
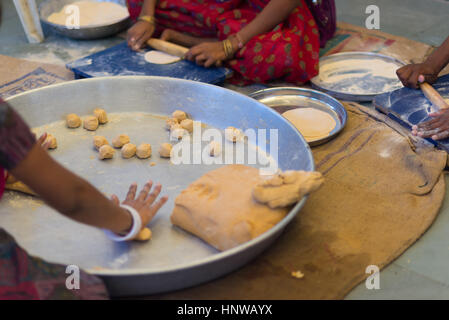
144 28
428 70
436 128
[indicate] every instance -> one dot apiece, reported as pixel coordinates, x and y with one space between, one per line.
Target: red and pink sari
289 52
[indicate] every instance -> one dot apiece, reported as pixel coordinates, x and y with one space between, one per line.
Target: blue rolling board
410 106
120 60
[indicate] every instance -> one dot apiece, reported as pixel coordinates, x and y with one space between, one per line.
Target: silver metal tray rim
345 95
219 256
315 96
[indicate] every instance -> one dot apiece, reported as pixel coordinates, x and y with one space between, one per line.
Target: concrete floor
422 271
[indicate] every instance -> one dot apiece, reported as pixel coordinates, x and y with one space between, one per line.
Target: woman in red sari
261 40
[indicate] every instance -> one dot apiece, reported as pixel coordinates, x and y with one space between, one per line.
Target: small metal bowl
48 7
283 99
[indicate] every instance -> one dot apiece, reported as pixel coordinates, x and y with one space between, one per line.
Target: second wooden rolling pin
168 47
433 95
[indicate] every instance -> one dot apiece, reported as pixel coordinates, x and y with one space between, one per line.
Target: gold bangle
228 48
149 19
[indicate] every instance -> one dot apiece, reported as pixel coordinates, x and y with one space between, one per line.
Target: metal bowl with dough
48 7
137 106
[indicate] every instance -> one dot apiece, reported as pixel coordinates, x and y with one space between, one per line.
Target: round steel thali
283 99
357 76
48 7
173 259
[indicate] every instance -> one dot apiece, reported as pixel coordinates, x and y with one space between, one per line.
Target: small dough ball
101 115
214 148
177 132
143 235
91 123
99 141
144 151
187 124
73 121
129 150
106 152
165 150
233 134
52 140
179 115
170 122
120 141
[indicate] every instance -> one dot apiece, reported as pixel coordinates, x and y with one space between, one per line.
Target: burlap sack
382 191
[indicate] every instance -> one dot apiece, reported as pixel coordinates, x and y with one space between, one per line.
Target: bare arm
76 198
141 31
276 11
429 69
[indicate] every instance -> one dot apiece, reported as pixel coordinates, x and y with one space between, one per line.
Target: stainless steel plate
173 259
286 98
48 7
357 76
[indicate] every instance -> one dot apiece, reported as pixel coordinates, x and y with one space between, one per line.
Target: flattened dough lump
120 141
287 188
101 115
143 151
179 115
100 141
165 150
106 152
159 57
91 123
73 121
312 123
129 150
53 144
220 213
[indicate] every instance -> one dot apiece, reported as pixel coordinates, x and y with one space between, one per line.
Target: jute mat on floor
382 191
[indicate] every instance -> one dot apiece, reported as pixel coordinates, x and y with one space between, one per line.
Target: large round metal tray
47 7
355 83
283 99
173 259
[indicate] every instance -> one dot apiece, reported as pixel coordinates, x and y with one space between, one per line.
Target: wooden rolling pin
433 95
168 47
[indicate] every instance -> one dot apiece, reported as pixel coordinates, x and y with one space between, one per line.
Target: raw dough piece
219 207
165 150
312 123
73 121
233 134
91 123
143 235
177 132
21 187
121 140
179 115
287 188
144 151
101 115
214 148
10 178
100 141
92 13
159 57
170 122
106 152
129 150
187 124
53 143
